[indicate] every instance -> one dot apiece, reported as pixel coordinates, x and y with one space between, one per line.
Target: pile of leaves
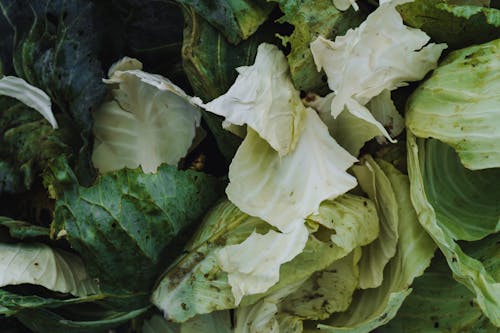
249 166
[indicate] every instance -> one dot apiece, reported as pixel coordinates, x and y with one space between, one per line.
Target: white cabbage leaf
33 97
382 53
39 264
264 98
284 190
348 130
150 121
254 265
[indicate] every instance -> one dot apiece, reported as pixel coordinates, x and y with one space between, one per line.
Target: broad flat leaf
348 130
461 205
129 225
236 19
264 98
149 122
39 264
374 307
377 185
33 97
460 24
283 191
439 304
381 54
53 45
458 105
311 18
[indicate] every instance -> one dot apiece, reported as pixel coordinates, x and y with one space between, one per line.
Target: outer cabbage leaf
31 96
311 18
464 206
236 19
458 105
374 307
452 309
263 96
376 255
380 54
130 225
39 264
150 121
348 130
283 191
215 322
53 45
460 24
195 283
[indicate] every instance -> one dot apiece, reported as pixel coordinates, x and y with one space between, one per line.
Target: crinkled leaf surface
348 130
264 98
129 225
254 265
465 206
150 121
283 191
236 19
383 109
195 284
458 105
460 24
374 307
311 18
39 264
382 53
210 61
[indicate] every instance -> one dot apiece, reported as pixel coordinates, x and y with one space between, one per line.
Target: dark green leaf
457 25
129 226
53 45
236 19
